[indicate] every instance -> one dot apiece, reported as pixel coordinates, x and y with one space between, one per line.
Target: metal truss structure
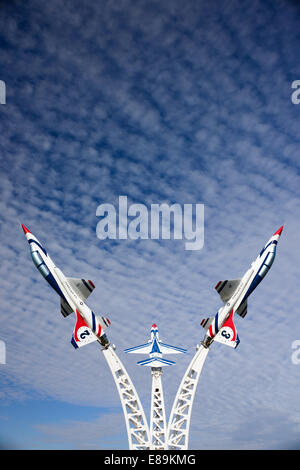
136 424
160 437
158 427
180 417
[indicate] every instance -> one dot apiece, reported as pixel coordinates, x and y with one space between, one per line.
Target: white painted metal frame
176 436
180 417
158 427
136 424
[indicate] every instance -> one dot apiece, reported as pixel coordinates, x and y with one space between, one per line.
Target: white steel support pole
179 421
158 427
136 424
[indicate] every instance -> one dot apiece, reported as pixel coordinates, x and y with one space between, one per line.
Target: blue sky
161 102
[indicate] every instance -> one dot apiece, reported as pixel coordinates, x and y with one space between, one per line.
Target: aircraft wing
82 287
168 349
227 288
141 349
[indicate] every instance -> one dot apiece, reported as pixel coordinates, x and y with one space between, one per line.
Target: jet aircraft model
234 294
155 348
73 293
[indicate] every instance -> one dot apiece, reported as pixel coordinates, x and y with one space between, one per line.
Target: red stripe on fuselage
230 324
79 323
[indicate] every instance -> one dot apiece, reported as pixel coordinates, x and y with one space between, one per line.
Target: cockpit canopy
40 264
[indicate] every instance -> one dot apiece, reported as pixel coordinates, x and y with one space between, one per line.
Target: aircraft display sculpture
156 348
220 328
89 328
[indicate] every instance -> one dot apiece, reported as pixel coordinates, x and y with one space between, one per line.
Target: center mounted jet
155 348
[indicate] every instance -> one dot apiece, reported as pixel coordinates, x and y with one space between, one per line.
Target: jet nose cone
154 326
278 231
25 229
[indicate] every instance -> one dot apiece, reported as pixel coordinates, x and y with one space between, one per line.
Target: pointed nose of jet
278 231
277 234
25 229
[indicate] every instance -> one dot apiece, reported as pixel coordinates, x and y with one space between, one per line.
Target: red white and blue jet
155 348
234 294
73 293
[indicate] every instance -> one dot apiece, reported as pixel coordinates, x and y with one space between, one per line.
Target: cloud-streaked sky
164 102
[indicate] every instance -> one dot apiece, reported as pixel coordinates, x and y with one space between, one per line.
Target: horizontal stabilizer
227 288
156 362
206 322
142 349
82 334
81 287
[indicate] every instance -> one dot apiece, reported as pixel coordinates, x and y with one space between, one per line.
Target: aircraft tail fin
228 333
82 334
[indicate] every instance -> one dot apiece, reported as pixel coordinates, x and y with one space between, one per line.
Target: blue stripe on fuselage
252 286
94 322
51 280
155 347
216 323
271 243
73 342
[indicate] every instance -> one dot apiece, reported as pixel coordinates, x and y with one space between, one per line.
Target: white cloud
178 110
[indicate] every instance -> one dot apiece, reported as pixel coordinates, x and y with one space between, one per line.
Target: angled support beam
136 424
180 417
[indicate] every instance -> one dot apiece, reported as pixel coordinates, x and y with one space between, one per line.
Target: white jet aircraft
155 348
73 293
234 294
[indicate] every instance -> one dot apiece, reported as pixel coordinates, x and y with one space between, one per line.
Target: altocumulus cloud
162 103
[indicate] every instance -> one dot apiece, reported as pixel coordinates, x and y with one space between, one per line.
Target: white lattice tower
136 424
158 427
180 417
